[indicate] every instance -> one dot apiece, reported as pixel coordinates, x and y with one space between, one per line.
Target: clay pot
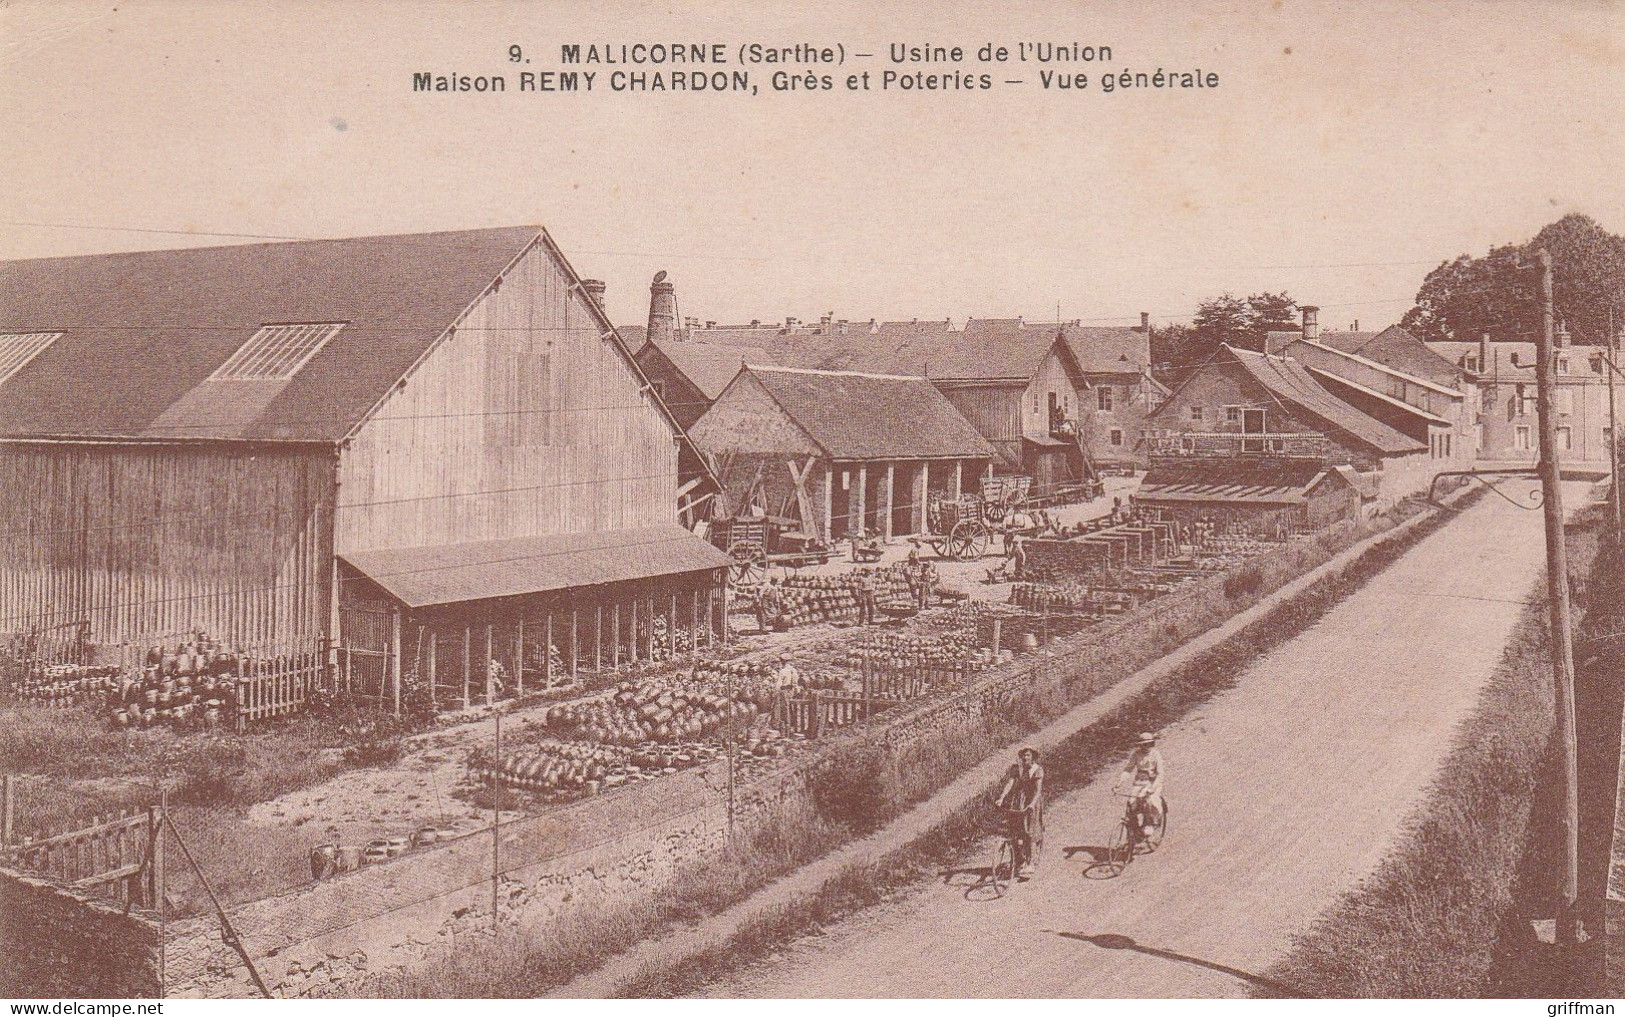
121 718
397 846
427 835
349 857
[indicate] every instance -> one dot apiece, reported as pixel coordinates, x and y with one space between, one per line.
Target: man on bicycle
1142 780
1022 800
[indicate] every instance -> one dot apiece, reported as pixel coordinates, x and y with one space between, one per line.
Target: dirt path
1283 792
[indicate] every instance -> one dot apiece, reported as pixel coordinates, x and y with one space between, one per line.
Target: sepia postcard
589 500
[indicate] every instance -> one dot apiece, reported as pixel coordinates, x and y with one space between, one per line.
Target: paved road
1283 792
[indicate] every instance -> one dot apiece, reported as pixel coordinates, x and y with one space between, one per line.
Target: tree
1225 319
1499 293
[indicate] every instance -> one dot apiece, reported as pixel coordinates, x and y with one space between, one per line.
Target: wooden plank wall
149 542
525 422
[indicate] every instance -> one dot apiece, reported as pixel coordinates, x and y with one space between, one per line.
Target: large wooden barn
371 446
840 451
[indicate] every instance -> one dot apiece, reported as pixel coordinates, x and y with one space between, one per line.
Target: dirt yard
1283 793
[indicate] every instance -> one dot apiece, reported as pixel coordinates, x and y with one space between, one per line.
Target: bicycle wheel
1153 838
1004 866
1120 851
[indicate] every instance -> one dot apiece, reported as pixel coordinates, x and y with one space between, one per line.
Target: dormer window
277 352
18 348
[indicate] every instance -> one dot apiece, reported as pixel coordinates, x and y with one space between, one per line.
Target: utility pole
1613 425
496 825
1557 584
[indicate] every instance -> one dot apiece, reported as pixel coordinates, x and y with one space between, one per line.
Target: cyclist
1142 780
1022 800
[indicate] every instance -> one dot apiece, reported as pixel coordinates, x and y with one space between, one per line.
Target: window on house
1526 400
1478 436
1447 452
277 352
1486 400
1565 439
1232 414
1196 414
1103 398
1520 437
1562 365
1117 437
18 348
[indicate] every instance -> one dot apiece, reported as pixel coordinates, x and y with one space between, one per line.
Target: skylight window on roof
277 352
18 348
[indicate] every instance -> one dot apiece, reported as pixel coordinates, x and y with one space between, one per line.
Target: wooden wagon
756 543
961 529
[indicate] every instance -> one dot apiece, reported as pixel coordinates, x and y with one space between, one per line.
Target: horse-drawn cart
962 529
756 543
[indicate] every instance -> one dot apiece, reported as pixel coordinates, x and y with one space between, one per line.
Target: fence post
155 853
998 625
7 811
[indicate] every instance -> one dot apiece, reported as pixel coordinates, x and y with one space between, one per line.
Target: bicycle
1130 837
1003 871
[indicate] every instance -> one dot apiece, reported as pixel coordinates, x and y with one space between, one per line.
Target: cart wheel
967 541
749 563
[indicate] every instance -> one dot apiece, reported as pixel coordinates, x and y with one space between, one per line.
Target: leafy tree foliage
1499 293
1238 321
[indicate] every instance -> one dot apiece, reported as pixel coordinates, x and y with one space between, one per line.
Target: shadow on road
1113 941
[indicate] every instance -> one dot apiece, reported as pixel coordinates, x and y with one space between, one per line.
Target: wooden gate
365 653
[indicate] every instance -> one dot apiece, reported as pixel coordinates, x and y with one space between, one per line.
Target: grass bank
1428 921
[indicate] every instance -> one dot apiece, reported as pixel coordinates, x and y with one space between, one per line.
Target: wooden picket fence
111 848
886 683
276 686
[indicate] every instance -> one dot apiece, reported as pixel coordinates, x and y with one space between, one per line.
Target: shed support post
575 633
598 634
922 501
434 679
485 665
547 653
959 476
615 634
468 661
519 657
863 498
829 503
395 657
891 480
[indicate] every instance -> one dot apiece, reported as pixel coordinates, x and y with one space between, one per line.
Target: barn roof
479 570
707 366
852 415
1290 382
143 332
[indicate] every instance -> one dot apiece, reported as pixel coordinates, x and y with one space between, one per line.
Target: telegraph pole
1613 426
1557 585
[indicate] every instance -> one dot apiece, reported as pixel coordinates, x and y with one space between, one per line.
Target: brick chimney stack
594 288
1145 321
662 309
1484 353
1311 322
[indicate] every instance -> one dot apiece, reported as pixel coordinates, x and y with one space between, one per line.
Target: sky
1347 149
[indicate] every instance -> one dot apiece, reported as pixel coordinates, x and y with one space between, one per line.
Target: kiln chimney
1311 322
662 309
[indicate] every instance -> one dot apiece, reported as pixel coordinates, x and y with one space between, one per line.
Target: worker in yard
863 588
1142 780
1018 559
769 606
1022 800
788 676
